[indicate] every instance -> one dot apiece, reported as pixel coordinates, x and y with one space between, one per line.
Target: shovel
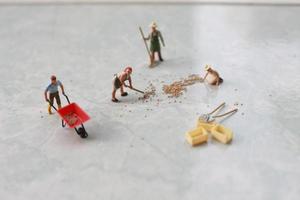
135 90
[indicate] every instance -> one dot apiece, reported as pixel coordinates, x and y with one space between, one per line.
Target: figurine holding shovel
119 82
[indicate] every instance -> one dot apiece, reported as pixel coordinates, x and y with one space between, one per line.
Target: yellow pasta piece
206 125
196 136
222 134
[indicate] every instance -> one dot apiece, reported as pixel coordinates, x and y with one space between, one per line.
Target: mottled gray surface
135 149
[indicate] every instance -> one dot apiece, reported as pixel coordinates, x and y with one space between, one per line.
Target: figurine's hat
153 24
207 67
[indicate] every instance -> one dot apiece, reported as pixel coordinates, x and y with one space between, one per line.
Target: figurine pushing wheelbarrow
73 116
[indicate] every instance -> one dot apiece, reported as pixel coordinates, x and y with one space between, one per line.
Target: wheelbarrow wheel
85 135
82 133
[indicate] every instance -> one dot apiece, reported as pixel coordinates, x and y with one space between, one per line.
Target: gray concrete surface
135 149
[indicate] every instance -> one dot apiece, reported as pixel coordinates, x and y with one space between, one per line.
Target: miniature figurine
212 76
154 37
119 83
53 93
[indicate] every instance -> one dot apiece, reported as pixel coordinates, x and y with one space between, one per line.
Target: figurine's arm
205 76
148 38
130 82
62 87
45 94
218 77
122 78
161 38
122 89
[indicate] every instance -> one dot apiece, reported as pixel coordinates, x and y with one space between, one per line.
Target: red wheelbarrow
73 116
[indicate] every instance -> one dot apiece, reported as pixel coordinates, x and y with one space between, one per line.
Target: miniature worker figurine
212 76
53 93
119 83
154 37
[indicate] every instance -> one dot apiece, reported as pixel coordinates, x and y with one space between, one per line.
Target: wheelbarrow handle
67 98
52 105
62 121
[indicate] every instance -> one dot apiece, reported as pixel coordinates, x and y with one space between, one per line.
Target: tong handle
220 106
227 113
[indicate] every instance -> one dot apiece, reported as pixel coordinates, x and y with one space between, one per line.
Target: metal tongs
209 118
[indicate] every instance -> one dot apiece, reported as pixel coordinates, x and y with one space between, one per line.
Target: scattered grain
177 88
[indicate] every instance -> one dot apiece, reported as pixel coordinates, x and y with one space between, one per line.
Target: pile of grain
176 88
149 92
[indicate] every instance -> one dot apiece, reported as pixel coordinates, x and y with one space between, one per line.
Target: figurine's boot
160 57
49 109
151 60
